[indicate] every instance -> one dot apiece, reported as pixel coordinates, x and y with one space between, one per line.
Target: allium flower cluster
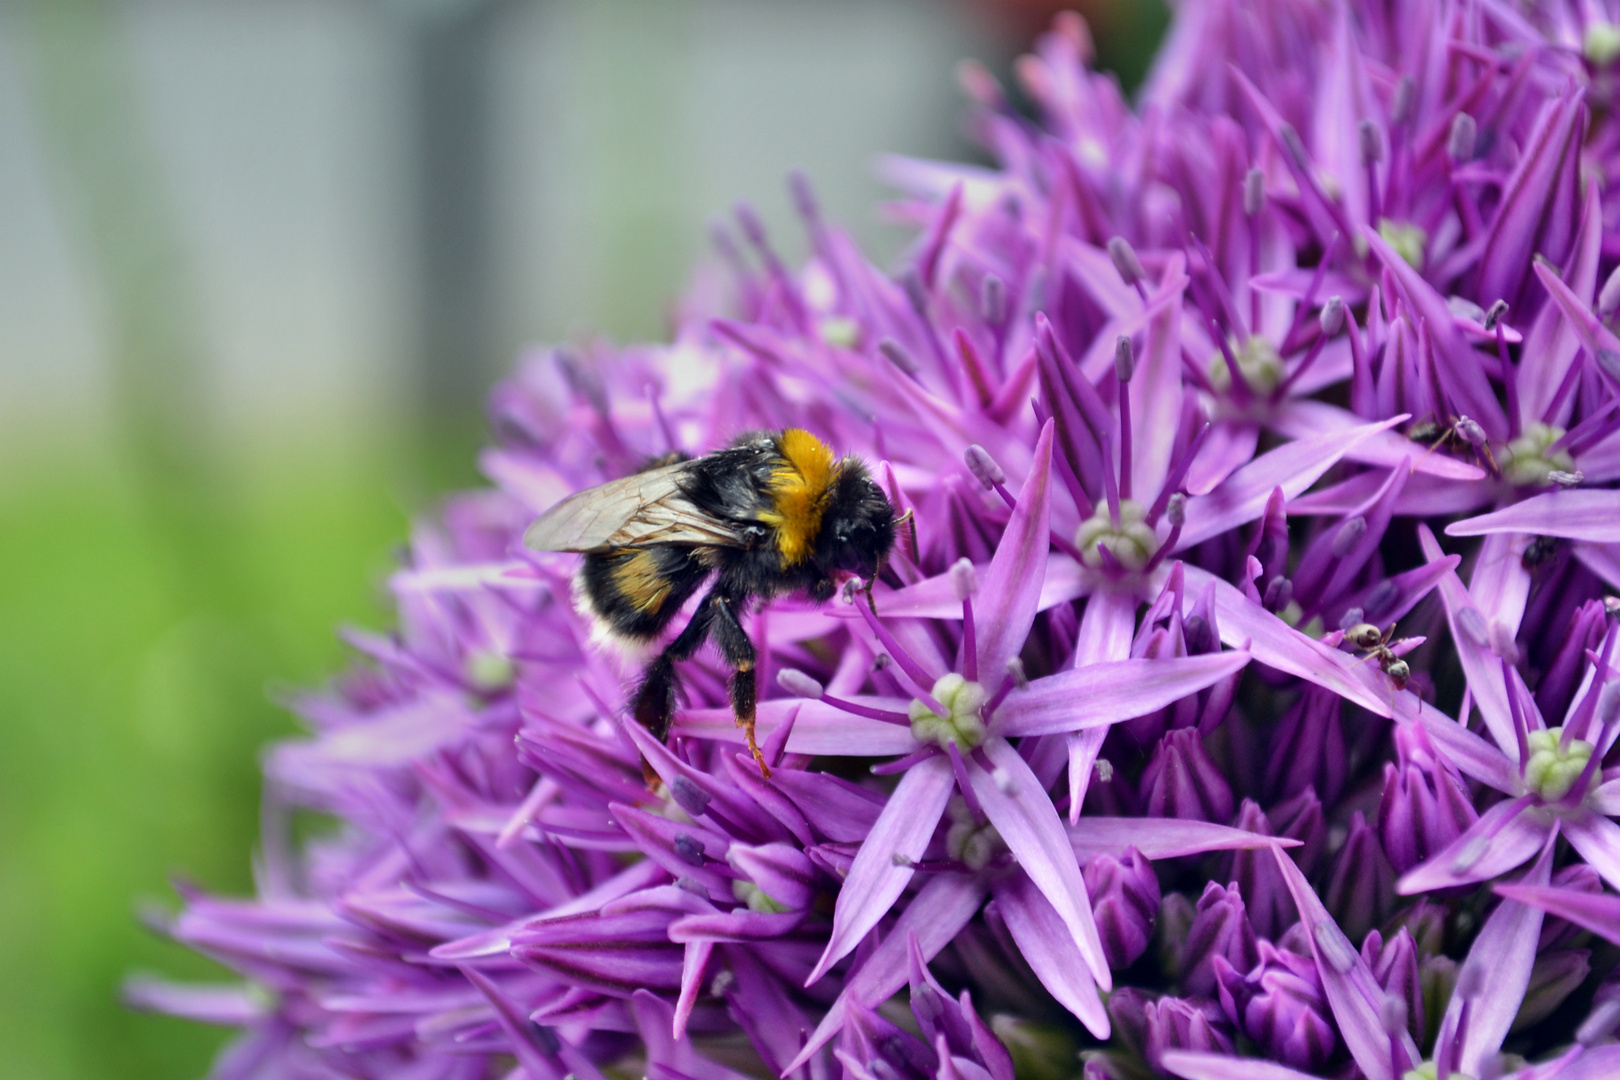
1240 702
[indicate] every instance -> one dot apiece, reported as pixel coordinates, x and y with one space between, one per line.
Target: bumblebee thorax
797 490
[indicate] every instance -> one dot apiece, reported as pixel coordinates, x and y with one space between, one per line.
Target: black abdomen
637 592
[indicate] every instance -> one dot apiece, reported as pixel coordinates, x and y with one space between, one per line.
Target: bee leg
739 653
654 706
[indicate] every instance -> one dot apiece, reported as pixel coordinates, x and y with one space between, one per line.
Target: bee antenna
871 601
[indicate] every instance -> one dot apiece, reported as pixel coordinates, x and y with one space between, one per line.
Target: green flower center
1258 361
1132 542
1552 769
757 899
1602 44
840 331
1530 459
1430 1071
489 671
962 722
1408 240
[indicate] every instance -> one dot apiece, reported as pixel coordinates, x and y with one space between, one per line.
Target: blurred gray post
450 41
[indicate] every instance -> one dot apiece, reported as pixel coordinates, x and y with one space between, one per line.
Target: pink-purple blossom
1241 700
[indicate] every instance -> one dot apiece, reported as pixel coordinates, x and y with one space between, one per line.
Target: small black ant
1539 552
1375 645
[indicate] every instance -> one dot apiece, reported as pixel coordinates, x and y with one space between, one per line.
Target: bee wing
641 510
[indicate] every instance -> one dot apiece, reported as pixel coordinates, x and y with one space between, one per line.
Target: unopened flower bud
1177 1024
1254 192
964 580
993 300
1220 927
1460 142
799 684
1265 893
1199 636
1426 922
1554 977
1370 141
1425 806
1308 749
1279 591
1361 892
1125 261
1176 915
1127 1009
1394 964
983 467
1124 358
1494 313
1124 899
896 354
1331 320
1183 781
1279 1004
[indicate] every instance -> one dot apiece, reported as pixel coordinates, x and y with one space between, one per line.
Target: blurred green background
260 261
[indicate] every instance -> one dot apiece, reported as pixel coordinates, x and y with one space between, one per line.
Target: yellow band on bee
639 579
798 490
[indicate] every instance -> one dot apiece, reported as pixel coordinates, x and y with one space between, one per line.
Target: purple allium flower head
1256 452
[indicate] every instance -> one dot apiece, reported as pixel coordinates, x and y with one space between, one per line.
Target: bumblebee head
857 527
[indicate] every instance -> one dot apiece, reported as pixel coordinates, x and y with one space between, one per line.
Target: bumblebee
772 513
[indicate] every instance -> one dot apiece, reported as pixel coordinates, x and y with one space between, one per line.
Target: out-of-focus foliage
132 707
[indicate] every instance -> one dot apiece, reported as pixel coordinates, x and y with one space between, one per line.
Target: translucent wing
641 510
